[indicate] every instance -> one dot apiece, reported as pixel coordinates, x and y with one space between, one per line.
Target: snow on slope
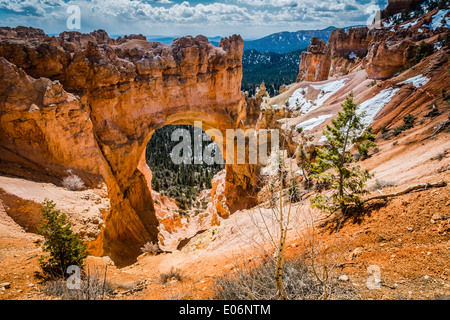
374 105
313 122
328 90
437 19
298 99
416 81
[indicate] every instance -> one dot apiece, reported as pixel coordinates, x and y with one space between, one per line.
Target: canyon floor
408 236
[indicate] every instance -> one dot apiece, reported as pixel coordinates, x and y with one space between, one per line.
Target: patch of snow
313 122
328 90
374 105
388 24
410 24
416 81
352 55
437 46
392 29
323 139
438 19
420 30
298 99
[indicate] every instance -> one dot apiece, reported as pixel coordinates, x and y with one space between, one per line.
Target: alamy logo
74 280
239 146
374 280
74 20
374 20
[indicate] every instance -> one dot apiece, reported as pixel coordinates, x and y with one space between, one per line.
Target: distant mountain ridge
280 42
284 42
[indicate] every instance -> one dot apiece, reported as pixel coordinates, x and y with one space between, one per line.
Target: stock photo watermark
74 280
73 22
374 280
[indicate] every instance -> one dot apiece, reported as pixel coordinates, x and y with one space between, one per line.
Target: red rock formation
344 50
382 52
310 59
89 103
398 6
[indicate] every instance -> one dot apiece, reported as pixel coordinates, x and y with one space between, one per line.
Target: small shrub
293 192
408 123
372 84
383 130
73 183
422 51
441 155
380 184
151 247
63 246
173 274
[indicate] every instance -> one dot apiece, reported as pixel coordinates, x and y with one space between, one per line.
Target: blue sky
249 18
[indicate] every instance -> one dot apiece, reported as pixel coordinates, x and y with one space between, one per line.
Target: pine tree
368 142
333 164
63 246
156 185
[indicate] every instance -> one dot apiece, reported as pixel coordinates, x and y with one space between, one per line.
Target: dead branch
439 128
420 186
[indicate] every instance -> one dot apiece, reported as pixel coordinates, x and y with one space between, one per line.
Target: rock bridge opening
89 103
183 160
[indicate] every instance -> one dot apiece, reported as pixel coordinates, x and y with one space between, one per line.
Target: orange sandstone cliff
382 52
88 104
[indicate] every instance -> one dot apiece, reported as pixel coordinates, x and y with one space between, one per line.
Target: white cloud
29 7
247 17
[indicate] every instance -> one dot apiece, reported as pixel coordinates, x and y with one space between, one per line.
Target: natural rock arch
90 104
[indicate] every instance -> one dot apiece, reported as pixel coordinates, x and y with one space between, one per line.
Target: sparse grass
173 274
256 281
380 184
93 286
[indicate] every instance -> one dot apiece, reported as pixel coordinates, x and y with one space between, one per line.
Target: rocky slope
382 52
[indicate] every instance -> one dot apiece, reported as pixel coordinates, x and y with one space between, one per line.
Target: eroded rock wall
382 52
88 103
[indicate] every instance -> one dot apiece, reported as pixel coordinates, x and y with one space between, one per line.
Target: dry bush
380 184
256 281
93 286
73 183
151 247
173 274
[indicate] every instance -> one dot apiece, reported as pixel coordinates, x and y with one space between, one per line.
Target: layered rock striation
382 52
